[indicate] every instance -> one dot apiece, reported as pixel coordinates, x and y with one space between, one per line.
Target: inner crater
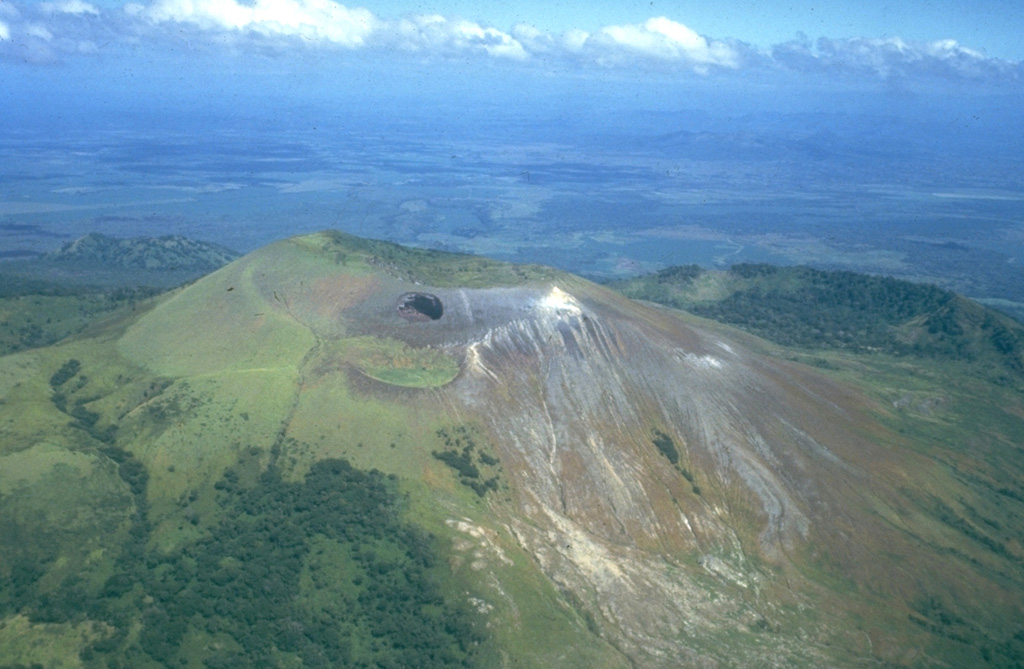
420 307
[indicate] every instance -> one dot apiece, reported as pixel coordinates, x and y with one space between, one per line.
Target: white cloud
894 58
316 20
665 39
533 40
432 32
76 7
62 28
492 40
38 30
575 39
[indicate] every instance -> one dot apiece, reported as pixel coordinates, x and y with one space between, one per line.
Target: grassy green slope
424 266
183 434
39 313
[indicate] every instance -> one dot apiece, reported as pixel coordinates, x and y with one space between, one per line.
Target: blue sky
61 56
943 37
992 27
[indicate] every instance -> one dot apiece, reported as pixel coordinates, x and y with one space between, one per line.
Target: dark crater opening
420 307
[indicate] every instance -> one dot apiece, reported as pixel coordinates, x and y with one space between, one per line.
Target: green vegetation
842 311
433 268
458 454
667 447
354 583
35 312
398 364
39 306
66 372
83 417
941 619
323 572
166 254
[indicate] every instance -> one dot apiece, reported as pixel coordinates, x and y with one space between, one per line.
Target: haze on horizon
615 138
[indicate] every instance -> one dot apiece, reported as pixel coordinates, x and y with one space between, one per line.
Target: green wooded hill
843 311
98 260
167 253
283 463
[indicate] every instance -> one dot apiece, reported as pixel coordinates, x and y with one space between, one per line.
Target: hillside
110 262
172 252
36 312
843 311
340 452
48 298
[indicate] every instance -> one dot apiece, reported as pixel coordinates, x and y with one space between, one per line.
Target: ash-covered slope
637 446
617 485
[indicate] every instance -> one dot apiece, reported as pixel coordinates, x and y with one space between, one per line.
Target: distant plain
601 199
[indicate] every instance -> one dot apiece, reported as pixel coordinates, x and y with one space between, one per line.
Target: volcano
605 482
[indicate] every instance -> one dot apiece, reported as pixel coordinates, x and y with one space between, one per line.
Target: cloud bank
664 39
76 7
893 58
313 20
52 31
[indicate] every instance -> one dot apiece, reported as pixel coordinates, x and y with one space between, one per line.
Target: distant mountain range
342 452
